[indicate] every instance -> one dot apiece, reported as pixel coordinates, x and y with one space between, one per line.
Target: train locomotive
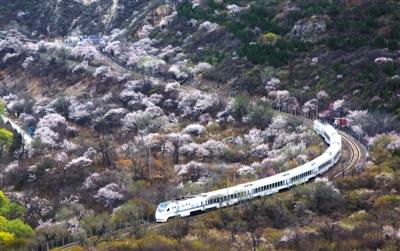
258 188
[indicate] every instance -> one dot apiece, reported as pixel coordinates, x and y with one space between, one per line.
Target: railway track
356 155
341 169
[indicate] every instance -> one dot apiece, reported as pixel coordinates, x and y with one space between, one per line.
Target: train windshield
162 207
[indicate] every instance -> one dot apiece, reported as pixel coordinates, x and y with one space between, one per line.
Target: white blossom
84 51
47 136
177 71
104 72
383 60
80 162
151 119
145 31
322 95
310 106
272 84
200 67
208 26
245 170
260 151
109 195
80 112
153 140
195 129
69 146
254 137
91 181
151 63
338 104
186 168
82 66
48 128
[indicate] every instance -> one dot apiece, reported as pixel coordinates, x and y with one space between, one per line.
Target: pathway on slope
27 139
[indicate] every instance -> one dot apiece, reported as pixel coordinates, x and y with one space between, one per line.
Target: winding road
26 138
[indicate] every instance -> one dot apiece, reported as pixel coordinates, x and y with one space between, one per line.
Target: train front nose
160 217
161 212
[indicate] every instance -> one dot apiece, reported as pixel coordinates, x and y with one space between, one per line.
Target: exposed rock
310 29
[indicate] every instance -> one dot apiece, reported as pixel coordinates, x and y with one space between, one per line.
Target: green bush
260 116
240 106
276 55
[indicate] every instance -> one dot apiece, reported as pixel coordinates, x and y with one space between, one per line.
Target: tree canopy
12 228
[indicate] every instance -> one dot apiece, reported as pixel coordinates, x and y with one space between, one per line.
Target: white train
262 187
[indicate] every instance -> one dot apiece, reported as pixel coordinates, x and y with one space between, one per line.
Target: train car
258 188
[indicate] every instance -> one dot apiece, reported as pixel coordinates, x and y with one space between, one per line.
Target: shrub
260 116
151 242
240 107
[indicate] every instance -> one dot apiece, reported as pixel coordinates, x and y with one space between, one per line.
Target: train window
162 207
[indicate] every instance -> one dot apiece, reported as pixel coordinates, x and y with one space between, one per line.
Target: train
262 187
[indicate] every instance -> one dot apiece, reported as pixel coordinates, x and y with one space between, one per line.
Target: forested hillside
131 103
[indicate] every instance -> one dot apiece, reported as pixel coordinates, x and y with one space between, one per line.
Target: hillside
131 103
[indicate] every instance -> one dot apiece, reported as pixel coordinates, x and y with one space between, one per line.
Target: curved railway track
355 155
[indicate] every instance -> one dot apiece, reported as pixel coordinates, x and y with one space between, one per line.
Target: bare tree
104 147
178 229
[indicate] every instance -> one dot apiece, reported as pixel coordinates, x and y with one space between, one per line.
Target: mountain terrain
131 102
